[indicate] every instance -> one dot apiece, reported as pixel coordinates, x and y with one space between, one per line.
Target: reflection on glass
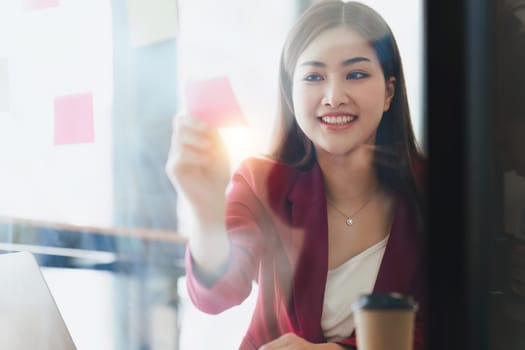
509 317
88 186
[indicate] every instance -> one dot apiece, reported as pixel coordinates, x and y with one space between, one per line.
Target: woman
335 212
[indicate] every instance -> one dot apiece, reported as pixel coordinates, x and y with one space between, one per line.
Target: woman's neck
348 177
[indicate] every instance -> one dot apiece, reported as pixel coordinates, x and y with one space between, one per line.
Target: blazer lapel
310 240
402 254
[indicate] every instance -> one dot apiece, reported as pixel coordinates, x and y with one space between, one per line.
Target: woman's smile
337 121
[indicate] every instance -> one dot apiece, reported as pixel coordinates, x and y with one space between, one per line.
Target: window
86 104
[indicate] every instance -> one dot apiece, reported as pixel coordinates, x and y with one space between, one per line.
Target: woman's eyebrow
354 60
313 63
345 63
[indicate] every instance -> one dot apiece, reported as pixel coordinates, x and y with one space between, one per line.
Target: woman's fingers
186 156
190 132
189 146
197 158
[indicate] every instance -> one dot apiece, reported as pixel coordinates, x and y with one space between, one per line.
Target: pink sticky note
213 101
74 119
39 4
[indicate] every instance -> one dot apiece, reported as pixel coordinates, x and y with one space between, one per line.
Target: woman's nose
335 95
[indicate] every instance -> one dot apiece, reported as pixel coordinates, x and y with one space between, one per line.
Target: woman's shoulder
260 167
265 175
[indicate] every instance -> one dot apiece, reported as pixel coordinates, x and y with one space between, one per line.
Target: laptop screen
29 317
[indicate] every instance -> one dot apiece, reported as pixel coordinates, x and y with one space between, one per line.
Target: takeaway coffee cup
384 322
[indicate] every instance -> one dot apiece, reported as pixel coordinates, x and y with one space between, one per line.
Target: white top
344 285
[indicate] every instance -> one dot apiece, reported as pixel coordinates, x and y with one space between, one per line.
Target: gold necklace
350 218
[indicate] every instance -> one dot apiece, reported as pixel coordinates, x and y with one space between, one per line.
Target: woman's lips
339 119
337 122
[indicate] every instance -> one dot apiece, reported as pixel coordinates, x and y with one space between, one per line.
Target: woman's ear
390 91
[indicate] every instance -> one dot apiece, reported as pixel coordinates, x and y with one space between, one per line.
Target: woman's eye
313 77
356 75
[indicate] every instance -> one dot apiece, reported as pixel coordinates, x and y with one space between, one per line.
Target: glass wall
88 90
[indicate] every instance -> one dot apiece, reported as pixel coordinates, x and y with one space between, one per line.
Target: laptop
29 317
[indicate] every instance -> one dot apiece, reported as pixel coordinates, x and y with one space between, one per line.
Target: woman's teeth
338 119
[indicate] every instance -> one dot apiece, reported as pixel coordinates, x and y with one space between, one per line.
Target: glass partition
88 91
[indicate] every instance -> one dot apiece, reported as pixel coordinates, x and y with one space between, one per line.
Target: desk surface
49 240
142 233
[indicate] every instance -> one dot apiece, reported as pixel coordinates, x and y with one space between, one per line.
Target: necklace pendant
349 221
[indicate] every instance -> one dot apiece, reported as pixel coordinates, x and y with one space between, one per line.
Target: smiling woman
343 137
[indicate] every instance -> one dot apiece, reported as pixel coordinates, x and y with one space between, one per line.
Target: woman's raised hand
198 165
198 168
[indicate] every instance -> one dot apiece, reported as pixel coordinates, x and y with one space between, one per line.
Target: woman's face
339 92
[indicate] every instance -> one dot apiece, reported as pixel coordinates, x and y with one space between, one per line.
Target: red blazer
276 219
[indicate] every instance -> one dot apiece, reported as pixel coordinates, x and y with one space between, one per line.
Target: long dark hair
396 154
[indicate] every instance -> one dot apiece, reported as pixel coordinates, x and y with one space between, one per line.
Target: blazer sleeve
244 215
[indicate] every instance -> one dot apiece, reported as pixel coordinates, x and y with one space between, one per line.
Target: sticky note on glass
4 85
214 101
74 119
152 21
40 4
